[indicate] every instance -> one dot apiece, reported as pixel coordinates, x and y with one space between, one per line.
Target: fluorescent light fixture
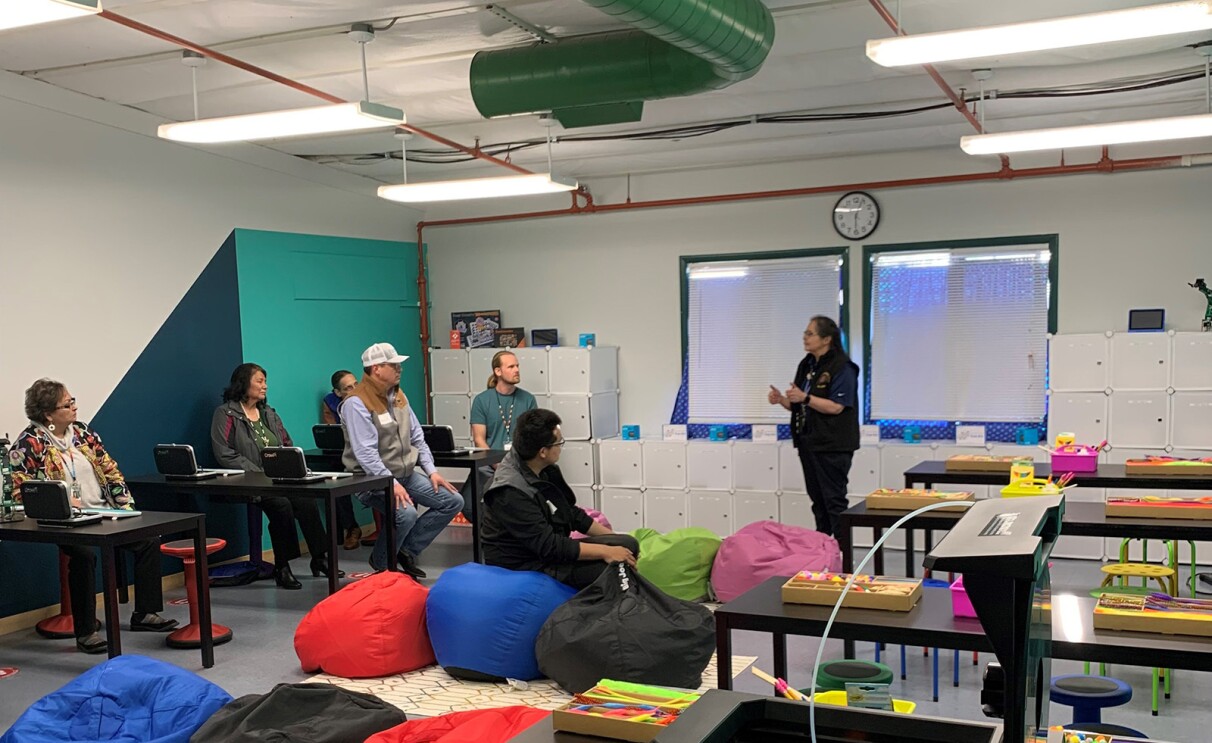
17 13
718 273
1092 135
1034 36
299 122
477 188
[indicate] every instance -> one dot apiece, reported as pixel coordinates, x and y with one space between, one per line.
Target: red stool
61 626
190 635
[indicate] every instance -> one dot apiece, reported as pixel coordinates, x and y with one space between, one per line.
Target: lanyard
507 420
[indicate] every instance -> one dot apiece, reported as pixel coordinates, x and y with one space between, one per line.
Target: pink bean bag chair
597 516
765 549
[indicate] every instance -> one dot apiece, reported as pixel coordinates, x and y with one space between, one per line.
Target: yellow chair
1166 577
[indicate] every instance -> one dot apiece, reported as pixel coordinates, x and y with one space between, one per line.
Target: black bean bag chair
300 713
625 628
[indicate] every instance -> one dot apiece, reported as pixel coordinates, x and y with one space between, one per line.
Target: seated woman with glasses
529 512
240 428
56 446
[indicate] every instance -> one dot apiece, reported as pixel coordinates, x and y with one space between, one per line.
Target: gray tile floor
262 653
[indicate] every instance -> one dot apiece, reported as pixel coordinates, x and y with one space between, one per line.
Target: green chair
835 674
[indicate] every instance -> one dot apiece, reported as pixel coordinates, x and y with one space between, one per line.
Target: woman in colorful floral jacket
56 446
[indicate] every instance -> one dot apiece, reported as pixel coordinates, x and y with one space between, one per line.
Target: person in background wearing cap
384 437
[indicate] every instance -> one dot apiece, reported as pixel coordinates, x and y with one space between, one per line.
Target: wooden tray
912 499
874 592
1168 467
1161 507
982 463
1134 614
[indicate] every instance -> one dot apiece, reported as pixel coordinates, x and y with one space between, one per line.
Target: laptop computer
330 437
177 462
440 440
47 502
286 465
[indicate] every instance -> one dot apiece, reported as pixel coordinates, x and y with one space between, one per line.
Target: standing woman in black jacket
823 400
240 428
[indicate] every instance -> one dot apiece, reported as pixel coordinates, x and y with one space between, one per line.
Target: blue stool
1103 728
1087 695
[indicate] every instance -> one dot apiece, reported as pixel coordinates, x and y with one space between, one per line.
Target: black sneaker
408 565
93 644
151 623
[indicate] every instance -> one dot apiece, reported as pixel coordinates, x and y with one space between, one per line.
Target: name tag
385 419
508 445
552 506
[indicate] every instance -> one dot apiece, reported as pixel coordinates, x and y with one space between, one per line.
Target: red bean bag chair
765 549
477 726
374 627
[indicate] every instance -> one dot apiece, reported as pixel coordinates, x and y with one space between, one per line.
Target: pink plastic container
961 605
1074 459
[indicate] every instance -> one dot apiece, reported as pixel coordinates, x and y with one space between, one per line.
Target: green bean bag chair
679 563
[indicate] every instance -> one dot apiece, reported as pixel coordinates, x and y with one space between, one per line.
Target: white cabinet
711 510
709 465
620 463
865 471
1078 362
623 508
1084 414
665 510
1191 419
448 371
532 364
755 466
576 463
587 416
791 474
1140 361
479 362
796 509
585 496
895 459
748 508
664 464
579 371
453 411
1139 419
1192 366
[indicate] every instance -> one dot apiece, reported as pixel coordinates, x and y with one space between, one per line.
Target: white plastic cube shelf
864 471
453 411
577 463
579 371
623 508
709 465
586 496
620 463
532 363
896 458
749 508
665 510
448 371
1191 419
1192 365
755 467
791 474
479 362
587 416
796 509
664 464
1078 362
1140 361
1085 414
1139 419
711 510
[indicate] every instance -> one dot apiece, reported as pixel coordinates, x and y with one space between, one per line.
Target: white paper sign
869 435
969 435
673 432
766 433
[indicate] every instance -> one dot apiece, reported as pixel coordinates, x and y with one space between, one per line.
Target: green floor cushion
679 563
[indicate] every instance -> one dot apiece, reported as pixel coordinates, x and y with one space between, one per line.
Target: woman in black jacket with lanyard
823 401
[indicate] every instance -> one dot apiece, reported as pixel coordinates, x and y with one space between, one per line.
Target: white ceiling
421 64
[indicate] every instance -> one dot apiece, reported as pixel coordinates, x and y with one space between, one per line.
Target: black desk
932 624
254 485
113 533
1107 476
323 461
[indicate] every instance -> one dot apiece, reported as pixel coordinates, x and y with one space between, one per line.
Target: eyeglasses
558 443
809 334
67 405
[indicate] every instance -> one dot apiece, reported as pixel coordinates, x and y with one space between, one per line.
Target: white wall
94 209
1126 240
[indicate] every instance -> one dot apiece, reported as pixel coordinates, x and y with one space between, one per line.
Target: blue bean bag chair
129 698
483 620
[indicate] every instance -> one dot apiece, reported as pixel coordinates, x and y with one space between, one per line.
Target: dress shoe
151 623
353 538
408 565
285 578
319 566
93 644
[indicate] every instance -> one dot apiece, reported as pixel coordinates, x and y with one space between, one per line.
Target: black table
255 485
1107 476
320 460
932 624
112 533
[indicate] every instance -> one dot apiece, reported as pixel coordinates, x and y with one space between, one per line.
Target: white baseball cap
381 353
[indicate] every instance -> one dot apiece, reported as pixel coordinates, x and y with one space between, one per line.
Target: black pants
82 567
282 512
346 519
582 573
826 475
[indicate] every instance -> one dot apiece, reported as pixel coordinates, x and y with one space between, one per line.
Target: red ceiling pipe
294 85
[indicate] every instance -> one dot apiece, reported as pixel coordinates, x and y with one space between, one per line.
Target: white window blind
745 325
960 335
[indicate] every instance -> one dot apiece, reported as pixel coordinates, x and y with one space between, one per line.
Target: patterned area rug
431 691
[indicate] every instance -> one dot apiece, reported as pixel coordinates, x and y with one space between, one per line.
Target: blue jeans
414 532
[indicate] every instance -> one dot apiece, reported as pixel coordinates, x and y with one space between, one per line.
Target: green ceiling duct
680 48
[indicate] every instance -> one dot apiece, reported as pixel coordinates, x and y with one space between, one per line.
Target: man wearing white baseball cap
384 437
